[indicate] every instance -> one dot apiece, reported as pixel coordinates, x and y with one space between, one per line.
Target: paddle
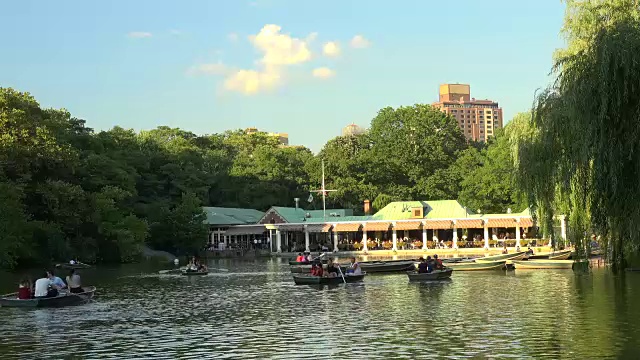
341 274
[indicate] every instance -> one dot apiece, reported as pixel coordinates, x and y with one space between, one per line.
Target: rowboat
194 273
302 269
434 275
513 256
387 266
319 280
560 255
74 266
477 266
63 299
543 264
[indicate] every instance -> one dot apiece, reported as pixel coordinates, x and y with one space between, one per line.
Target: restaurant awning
293 227
315 228
408 225
502 223
326 227
526 222
377 226
347 227
245 230
438 224
469 224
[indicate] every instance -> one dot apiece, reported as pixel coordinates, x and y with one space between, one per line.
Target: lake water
253 310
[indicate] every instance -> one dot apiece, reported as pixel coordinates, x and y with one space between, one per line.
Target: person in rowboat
438 263
24 289
74 283
354 268
423 267
332 271
430 264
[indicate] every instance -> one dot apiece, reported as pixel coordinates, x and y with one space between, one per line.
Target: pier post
364 238
335 239
518 233
563 227
424 236
395 238
278 241
306 239
455 235
486 234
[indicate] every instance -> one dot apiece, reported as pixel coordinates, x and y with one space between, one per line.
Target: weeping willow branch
584 154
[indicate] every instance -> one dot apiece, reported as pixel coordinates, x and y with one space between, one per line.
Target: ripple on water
257 313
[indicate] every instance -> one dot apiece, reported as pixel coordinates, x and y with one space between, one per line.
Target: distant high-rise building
478 119
283 138
353 129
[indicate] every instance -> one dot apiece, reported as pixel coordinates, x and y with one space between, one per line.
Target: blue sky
212 65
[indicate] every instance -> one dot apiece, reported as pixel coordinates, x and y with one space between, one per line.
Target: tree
583 152
408 145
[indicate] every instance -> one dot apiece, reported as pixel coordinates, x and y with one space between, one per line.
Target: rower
73 280
331 268
56 282
430 264
42 287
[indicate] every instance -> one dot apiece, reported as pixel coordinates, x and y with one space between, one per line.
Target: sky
306 68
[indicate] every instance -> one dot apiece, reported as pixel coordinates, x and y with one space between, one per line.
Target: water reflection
253 310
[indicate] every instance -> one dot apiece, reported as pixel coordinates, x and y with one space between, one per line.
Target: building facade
283 138
478 119
399 225
352 130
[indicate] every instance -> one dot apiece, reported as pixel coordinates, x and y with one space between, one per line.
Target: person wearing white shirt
42 286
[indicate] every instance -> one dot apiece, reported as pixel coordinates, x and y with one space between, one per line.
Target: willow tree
583 151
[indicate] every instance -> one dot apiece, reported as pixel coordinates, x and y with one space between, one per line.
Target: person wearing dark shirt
430 264
331 267
422 267
438 263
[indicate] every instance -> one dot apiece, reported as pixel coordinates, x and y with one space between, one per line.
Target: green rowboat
434 275
543 264
319 280
513 256
560 255
477 266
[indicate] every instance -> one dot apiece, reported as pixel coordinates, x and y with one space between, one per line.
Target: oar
341 274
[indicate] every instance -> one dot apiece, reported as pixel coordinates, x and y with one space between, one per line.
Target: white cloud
233 37
323 72
250 82
331 49
279 51
139 34
209 69
359 42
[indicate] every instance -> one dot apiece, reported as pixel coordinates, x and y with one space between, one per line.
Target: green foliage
582 154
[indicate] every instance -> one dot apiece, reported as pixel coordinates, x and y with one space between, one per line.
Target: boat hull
76 266
543 264
434 275
560 255
318 280
194 273
513 256
384 266
478 266
63 300
305 269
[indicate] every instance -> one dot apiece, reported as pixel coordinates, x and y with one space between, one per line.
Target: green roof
331 219
297 215
436 209
231 216
526 212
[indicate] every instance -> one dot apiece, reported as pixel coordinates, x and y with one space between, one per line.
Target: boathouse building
399 225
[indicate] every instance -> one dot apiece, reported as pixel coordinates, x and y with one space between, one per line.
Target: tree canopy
583 149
